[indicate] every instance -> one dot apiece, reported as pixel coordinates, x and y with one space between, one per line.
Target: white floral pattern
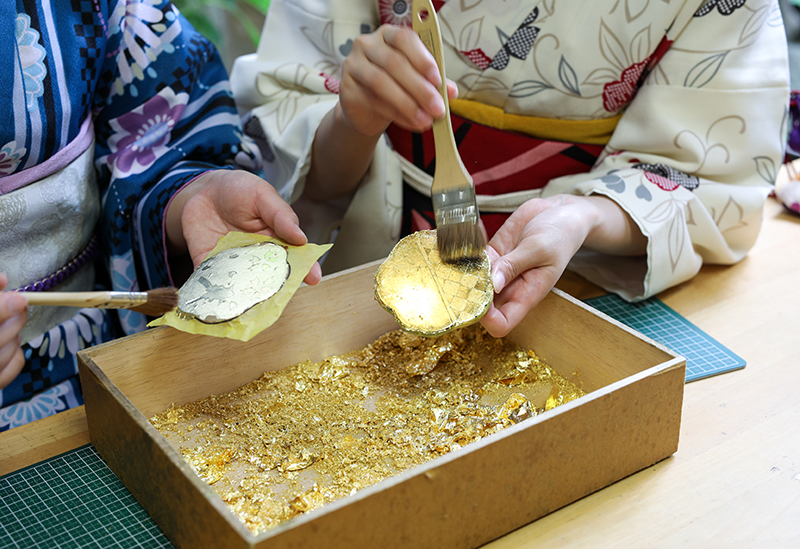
31 58
41 405
146 34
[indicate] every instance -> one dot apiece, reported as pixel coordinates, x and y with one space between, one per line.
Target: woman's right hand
389 76
13 315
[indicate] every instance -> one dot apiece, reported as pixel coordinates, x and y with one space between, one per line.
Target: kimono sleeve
164 114
697 150
292 81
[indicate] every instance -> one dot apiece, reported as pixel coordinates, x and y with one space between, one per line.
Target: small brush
152 302
458 233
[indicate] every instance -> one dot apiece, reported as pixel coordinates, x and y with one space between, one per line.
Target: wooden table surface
735 480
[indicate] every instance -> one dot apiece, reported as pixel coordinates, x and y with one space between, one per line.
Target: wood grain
48 437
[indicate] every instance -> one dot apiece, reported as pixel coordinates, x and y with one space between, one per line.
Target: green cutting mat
704 355
74 500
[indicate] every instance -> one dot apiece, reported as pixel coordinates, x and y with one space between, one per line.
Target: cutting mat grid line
73 500
705 356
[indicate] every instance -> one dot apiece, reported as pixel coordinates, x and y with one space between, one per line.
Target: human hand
528 255
13 315
533 247
222 201
389 76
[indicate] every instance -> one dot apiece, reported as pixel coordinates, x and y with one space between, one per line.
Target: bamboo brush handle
98 300
450 171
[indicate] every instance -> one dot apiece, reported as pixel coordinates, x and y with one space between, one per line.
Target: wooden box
629 419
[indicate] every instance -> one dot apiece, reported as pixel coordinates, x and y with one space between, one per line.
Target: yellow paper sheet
262 315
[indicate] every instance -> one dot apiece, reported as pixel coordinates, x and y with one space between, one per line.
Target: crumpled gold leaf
517 408
424 353
427 296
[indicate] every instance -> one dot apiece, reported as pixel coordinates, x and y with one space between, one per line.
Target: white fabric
42 227
714 107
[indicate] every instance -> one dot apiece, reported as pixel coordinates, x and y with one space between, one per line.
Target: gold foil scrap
300 461
425 353
517 408
556 398
210 463
310 434
307 501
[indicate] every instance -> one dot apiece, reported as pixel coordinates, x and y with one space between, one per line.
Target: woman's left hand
533 247
222 201
528 254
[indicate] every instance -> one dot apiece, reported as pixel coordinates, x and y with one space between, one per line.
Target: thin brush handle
97 300
450 172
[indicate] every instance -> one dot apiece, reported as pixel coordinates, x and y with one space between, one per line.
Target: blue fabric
49 382
163 114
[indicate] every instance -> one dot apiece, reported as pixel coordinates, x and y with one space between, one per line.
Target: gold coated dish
428 297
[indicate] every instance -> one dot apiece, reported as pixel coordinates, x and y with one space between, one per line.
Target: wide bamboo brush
458 233
152 302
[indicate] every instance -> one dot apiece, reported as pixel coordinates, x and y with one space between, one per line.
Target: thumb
499 278
508 267
286 226
279 216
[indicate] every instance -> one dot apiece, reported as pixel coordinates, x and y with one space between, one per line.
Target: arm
326 143
160 137
688 168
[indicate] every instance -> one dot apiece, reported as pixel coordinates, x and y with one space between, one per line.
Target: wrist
349 129
583 215
612 230
173 216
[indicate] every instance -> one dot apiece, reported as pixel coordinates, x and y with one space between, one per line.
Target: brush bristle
159 302
460 242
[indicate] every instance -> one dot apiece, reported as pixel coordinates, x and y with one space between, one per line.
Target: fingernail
438 107
498 281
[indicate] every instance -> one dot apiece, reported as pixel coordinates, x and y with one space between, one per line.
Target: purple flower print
139 134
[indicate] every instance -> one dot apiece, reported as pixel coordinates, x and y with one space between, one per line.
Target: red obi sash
499 161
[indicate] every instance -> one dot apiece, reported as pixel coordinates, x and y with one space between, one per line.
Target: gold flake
296 439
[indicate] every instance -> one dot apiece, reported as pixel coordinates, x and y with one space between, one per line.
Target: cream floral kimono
687 101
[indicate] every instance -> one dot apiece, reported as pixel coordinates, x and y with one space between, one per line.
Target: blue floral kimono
109 107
